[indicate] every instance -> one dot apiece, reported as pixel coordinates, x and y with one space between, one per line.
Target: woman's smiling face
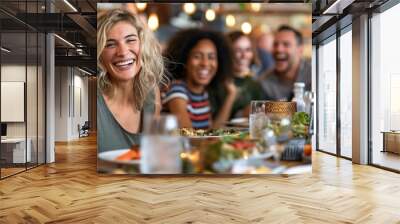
243 54
202 63
121 54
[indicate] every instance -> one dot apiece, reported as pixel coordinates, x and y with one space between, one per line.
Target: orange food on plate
132 154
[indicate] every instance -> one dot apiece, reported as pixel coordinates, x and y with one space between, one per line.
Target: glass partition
22 89
31 87
13 104
31 98
41 86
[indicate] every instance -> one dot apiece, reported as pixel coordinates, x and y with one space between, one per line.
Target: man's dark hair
297 34
179 47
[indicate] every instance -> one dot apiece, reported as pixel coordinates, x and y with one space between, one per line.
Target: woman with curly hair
200 60
130 69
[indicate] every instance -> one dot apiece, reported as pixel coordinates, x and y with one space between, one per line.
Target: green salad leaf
301 118
300 124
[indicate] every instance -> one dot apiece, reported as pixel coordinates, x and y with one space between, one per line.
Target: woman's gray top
110 134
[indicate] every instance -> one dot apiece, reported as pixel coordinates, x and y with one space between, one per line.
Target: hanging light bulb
153 21
255 7
210 15
141 6
189 8
230 20
246 27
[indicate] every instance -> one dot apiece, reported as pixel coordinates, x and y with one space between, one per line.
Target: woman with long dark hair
199 60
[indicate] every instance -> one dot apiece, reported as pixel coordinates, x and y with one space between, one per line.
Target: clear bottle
309 102
299 96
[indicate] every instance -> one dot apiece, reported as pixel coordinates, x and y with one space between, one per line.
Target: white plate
111 156
240 121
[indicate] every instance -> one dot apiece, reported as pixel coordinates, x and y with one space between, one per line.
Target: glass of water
257 119
161 146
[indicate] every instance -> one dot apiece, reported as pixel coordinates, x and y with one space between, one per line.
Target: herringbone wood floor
70 191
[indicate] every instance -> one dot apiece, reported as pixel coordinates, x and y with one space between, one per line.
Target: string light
210 15
141 6
230 20
189 8
153 21
256 7
246 27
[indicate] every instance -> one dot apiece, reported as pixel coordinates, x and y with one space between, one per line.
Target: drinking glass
257 119
161 146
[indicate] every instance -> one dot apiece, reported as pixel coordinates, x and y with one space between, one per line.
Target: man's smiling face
286 51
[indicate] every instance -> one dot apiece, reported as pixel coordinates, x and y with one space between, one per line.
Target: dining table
195 158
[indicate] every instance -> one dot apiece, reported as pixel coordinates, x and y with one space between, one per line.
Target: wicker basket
280 108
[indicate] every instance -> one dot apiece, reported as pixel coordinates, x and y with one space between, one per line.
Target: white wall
80 110
61 104
12 73
71 94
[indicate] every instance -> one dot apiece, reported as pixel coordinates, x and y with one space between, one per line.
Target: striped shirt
198 105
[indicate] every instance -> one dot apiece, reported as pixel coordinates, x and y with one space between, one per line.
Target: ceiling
330 15
18 17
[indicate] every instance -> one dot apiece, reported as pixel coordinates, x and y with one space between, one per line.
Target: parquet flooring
386 159
70 191
9 171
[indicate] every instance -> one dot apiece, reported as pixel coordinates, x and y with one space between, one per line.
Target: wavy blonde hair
152 71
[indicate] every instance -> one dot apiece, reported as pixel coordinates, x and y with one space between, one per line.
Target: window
327 96
346 94
385 87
